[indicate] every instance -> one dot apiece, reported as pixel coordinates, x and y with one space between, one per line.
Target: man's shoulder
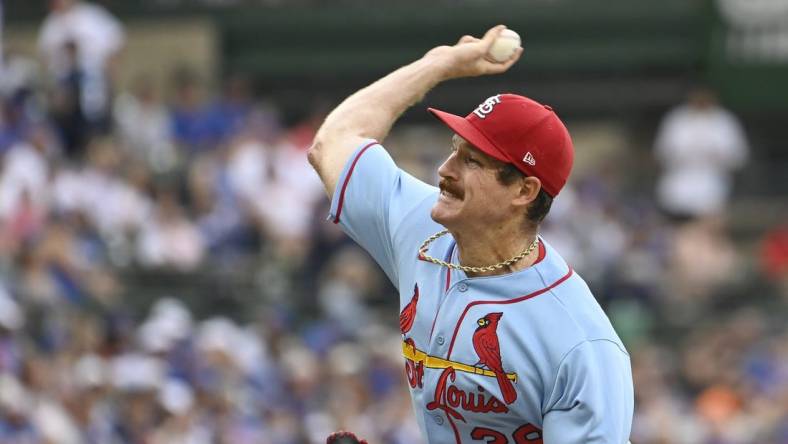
570 312
584 320
383 208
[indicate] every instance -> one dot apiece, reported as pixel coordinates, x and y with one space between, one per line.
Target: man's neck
490 247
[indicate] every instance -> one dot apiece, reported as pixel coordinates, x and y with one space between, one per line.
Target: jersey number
526 434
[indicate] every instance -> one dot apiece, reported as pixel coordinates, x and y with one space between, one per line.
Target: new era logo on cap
517 130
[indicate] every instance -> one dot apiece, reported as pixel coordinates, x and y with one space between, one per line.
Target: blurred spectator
98 190
223 221
698 145
80 43
774 252
190 126
169 239
774 257
347 285
24 193
19 75
67 107
227 115
19 79
11 315
144 127
15 405
702 259
274 181
286 203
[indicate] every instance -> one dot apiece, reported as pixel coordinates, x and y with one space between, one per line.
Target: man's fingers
491 35
469 57
497 67
512 60
515 57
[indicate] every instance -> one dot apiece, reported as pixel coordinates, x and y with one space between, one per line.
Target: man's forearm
369 114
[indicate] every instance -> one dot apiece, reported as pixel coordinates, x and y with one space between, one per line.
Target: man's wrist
439 66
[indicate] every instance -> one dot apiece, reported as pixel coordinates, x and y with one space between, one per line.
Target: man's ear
528 190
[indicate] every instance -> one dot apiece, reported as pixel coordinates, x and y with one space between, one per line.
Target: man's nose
447 168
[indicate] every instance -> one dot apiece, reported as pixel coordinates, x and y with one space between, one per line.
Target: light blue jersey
527 357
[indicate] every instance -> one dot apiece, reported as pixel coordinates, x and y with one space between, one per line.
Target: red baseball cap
520 131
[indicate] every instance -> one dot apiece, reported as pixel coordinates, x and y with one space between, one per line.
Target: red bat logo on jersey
485 342
408 314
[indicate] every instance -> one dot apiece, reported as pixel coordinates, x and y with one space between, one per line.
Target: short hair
538 209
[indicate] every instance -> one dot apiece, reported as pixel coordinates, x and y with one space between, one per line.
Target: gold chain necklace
423 254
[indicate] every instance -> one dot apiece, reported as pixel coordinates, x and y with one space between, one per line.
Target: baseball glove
344 438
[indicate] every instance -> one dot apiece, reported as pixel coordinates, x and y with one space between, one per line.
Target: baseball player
503 342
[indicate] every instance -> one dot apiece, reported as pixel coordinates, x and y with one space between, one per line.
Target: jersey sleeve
374 199
593 399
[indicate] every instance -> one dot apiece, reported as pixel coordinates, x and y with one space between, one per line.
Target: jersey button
463 287
438 419
440 340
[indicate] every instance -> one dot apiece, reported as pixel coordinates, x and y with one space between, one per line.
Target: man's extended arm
371 111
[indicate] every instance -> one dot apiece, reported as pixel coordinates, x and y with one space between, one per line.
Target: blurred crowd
96 184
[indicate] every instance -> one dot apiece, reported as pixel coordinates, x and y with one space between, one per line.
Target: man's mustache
448 187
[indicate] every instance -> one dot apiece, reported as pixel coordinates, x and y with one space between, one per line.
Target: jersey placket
458 289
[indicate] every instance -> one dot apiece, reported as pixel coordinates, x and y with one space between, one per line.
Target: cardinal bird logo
408 313
485 342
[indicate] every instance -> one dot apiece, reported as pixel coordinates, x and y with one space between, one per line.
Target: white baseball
504 46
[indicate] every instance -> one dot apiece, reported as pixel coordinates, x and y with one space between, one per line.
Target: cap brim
467 131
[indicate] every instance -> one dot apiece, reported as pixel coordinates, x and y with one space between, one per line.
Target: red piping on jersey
541 255
508 301
347 180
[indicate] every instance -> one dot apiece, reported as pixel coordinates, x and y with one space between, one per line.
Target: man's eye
472 161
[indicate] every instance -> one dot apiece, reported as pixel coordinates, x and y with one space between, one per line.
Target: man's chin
440 214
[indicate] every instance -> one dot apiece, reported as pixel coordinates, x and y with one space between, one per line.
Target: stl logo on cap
487 106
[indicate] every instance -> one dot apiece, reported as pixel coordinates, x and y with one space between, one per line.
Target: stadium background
166 273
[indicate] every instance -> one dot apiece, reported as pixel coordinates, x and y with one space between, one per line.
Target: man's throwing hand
469 57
